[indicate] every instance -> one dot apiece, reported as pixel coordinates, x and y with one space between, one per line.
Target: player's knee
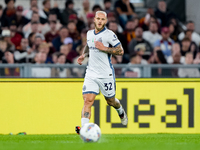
88 101
110 102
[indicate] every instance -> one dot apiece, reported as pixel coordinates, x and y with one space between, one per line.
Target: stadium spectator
1 17
79 72
114 27
46 7
9 59
162 13
6 36
82 41
85 9
15 36
39 39
34 8
80 25
8 13
27 29
140 49
188 72
107 6
90 19
165 43
145 21
20 19
139 40
125 11
23 53
53 32
129 31
174 58
197 59
188 46
55 57
96 8
40 72
65 49
175 29
73 32
68 10
58 41
45 48
118 71
31 40
52 24
28 11
195 36
152 34
159 58
131 71
60 72
111 16
72 53
92 26
3 48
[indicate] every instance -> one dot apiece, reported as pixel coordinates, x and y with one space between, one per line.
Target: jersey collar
100 31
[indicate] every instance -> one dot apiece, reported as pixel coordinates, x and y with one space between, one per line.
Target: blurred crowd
58 36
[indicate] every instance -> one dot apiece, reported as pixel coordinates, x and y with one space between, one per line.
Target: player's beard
99 29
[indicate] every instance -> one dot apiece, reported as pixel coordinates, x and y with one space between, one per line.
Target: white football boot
124 118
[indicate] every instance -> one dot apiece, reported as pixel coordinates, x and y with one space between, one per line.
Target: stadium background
45 106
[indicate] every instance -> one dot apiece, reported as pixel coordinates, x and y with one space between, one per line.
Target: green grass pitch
107 142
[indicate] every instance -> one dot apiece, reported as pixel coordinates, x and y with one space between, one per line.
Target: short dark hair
190 21
63 27
7 1
45 1
1 7
186 39
60 54
105 1
96 6
68 2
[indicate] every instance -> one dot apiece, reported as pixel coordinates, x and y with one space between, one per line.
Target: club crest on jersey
114 36
100 39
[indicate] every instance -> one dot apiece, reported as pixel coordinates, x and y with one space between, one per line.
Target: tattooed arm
86 51
84 54
111 50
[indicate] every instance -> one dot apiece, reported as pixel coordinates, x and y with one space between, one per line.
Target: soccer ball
90 132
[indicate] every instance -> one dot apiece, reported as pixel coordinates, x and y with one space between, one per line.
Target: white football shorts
93 85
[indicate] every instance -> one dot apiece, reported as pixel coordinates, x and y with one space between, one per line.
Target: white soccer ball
90 132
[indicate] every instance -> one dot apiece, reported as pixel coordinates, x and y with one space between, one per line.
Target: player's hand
100 46
80 59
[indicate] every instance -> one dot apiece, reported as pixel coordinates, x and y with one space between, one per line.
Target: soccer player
101 44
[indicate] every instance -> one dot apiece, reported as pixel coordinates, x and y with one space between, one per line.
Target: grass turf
107 142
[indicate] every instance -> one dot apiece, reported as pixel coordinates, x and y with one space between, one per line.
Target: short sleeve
113 40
